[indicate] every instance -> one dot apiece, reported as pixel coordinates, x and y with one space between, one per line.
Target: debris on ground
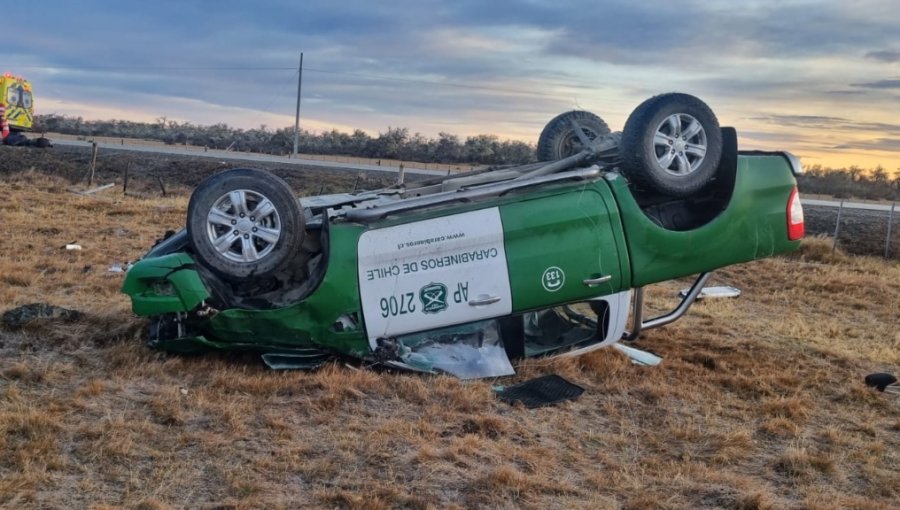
119 268
882 382
539 392
72 246
92 190
714 292
289 361
637 356
22 315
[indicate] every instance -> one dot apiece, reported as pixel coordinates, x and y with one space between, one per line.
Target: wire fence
861 229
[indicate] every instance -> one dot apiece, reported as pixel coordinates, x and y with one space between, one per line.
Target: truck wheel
671 144
559 139
245 223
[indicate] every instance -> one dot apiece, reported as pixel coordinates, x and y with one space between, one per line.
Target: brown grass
758 404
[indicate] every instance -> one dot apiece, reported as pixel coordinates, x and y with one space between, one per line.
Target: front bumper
166 284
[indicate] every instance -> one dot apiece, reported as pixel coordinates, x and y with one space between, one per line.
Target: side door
564 247
433 273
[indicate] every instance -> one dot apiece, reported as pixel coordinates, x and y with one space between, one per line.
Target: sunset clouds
819 78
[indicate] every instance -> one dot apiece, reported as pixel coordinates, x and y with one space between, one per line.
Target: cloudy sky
819 78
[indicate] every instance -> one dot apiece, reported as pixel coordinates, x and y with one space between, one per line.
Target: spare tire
559 139
671 144
245 223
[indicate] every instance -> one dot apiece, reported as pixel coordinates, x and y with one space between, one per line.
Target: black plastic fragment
540 392
880 380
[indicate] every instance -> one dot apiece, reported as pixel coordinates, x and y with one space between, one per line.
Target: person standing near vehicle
4 126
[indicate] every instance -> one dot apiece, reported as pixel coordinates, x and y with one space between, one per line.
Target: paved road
244 156
266 158
847 205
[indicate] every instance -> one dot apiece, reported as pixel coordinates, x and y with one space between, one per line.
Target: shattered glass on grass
469 351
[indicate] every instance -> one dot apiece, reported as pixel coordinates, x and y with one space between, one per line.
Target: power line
442 83
430 82
285 87
159 68
360 76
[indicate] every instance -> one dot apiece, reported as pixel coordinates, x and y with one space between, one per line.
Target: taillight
795 216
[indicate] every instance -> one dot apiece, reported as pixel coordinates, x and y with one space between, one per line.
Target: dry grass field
758 404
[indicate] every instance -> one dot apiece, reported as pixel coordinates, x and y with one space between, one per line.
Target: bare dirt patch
758 404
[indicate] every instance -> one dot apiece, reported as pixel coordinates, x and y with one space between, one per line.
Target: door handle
484 300
593 282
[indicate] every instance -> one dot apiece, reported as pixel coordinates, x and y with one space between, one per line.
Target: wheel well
702 207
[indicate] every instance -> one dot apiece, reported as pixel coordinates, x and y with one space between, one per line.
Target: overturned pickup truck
461 273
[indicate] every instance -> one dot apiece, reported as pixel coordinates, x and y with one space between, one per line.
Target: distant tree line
398 143
853 182
395 143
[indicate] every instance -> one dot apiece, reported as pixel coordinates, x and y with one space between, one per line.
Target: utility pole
297 117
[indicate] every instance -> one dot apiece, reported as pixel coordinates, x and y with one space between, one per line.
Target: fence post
400 176
837 227
93 164
887 240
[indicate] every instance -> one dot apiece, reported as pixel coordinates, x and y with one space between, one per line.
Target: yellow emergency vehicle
17 111
18 101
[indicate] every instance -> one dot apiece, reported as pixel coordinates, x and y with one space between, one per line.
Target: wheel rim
680 144
571 143
243 226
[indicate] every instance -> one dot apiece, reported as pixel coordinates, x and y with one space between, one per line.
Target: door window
12 96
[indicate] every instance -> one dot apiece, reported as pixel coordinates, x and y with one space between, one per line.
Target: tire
671 144
559 139
245 224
